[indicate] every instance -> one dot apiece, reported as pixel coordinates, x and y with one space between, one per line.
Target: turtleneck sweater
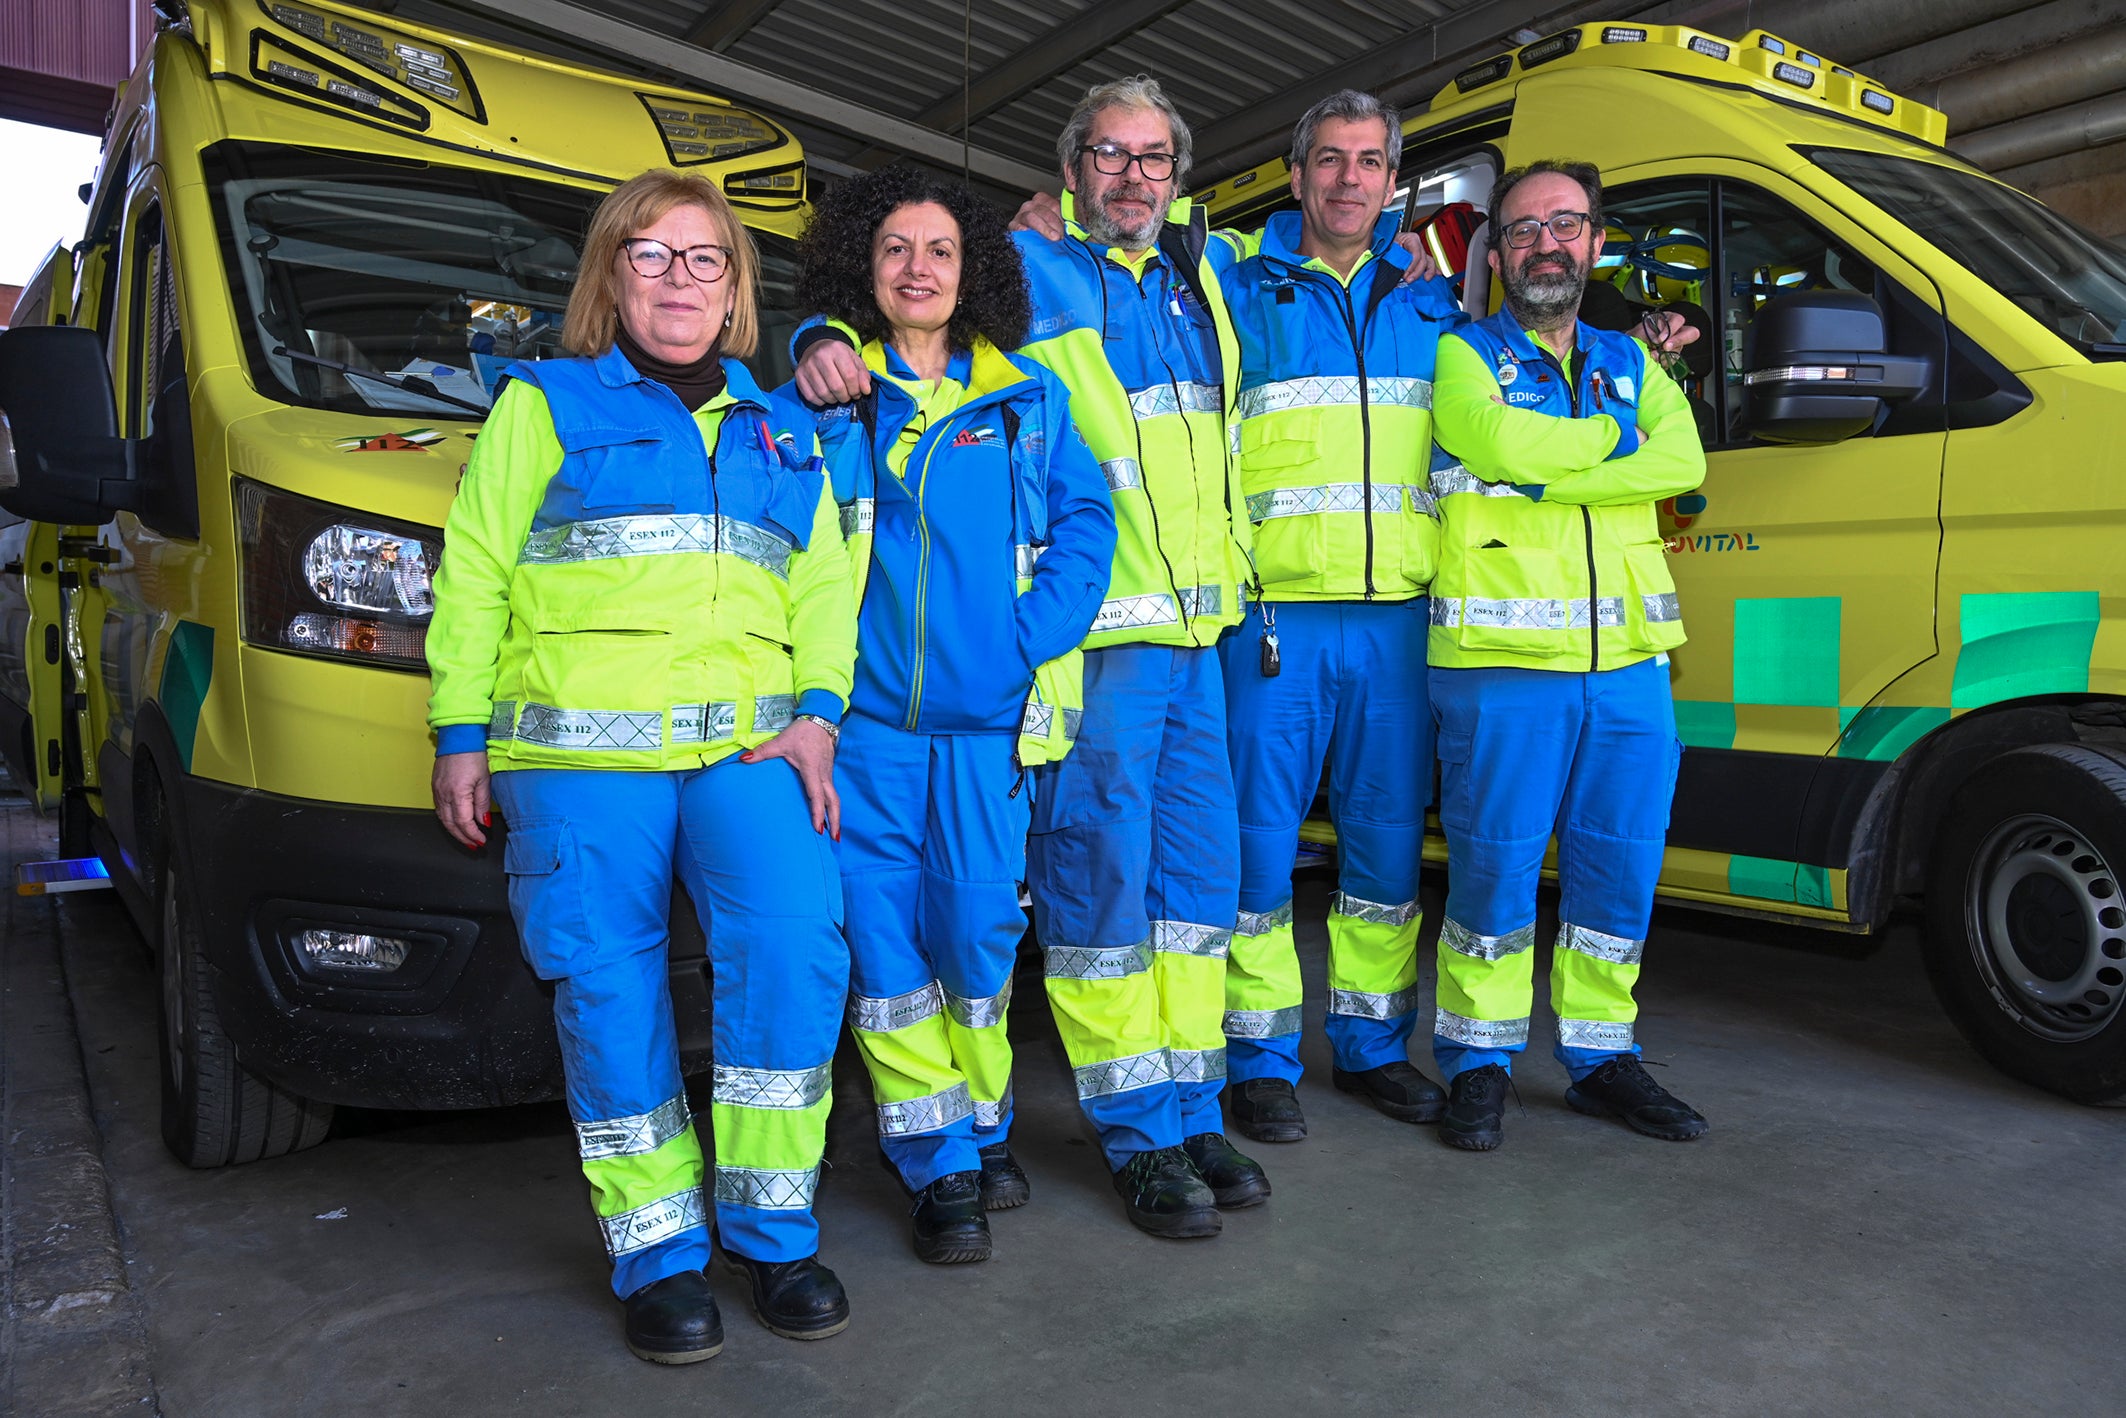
695 382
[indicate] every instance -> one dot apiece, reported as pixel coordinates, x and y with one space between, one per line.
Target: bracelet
834 730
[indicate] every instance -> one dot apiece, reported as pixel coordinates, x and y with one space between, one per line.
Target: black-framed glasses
651 258
1114 161
1564 227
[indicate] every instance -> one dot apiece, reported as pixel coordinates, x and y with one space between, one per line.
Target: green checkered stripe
2011 645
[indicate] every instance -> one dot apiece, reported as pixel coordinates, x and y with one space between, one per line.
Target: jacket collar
986 372
1281 237
740 387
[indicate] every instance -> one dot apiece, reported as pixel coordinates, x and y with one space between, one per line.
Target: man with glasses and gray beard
1552 617
1134 857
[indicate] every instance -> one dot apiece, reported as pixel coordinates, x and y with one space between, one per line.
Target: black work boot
1235 1180
1622 1089
1004 1183
674 1320
1475 1108
1266 1109
1163 1195
1397 1089
949 1225
797 1299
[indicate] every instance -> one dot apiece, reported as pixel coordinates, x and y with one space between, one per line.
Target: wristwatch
834 730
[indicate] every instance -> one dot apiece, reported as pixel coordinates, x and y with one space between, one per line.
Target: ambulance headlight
326 580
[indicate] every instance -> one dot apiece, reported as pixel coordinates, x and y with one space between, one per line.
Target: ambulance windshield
2073 283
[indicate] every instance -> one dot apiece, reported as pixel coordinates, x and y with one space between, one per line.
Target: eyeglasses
1564 227
1114 161
651 259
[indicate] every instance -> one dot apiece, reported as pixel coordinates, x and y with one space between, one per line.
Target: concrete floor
1878 1223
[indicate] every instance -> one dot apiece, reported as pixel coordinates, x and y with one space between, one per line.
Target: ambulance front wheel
215 1112
2026 917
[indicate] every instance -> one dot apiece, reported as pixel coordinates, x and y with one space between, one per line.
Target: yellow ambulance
316 238
1905 575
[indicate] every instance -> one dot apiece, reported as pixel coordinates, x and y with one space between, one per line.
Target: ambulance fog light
350 950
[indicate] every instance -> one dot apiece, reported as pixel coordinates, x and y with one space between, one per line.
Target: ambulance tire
2026 917
215 1112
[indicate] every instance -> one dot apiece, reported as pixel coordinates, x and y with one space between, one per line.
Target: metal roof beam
1415 63
726 24
719 74
1039 60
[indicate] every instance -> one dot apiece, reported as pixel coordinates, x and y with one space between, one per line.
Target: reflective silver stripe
664 534
1661 607
1260 1023
925 1114
1129 612
984 1013
1188 938
1075 962
1531 613
1336 497
990 1115
1197 1065
1454 478
1039 719
1594 1034
502 720
1263 922
588 730
1097 1080
1480 1033
1330 391
1463 941
633 1136
1616 949
770 1087
766 1189
1202 600
654 1221
1176 399
883 1016
1024 557
718 720
859 515
1373 912
1122 473
1357 1004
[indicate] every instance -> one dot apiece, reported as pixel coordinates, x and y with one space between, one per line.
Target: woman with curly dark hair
981 535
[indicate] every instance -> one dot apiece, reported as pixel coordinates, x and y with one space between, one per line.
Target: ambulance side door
1807 574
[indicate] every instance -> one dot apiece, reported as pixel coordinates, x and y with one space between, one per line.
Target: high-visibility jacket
1335 413
1002 490
628 585
1550 557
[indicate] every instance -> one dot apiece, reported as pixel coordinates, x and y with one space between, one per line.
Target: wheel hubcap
2048 928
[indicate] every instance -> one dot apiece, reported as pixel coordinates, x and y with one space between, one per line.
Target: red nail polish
487 819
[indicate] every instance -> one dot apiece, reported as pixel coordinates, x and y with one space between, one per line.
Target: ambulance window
154 352
779 315
1656 253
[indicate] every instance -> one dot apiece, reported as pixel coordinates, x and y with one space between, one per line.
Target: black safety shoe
674 1320
1235 1180
1163 1195
950 1228
1266 1109
1475 1108
1004 1183
797 1299
1397 1089
1622 1089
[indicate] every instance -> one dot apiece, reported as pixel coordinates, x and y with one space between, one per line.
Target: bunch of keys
1271 663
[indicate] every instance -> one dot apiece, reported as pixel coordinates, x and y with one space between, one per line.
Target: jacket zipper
922 575
1365 429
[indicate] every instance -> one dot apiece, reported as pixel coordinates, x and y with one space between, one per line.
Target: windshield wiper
411 383
2108 350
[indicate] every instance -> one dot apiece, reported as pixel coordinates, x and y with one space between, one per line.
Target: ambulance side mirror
63 460
1819 369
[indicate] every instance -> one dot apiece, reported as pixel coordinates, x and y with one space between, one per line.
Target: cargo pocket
546 897
1289 545
1456 795
1653 618
1504 608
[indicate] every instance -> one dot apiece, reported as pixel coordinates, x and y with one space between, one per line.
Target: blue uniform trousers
1134 870
1525 754
933 848
591 857
1351 690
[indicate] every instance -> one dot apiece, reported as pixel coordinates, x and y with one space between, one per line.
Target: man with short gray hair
1133 862
1335 436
